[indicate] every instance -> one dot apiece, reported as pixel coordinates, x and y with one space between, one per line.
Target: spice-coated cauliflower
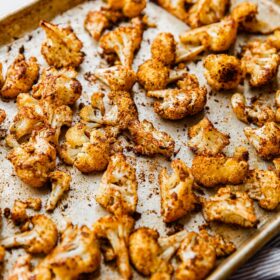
118 187
205 139
2 116
231 207
210 171
62 47
223 72
41 238
150 141
177 197
33 161
20 77
266 139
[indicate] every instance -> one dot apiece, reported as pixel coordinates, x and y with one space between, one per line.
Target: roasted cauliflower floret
2 116
60 184
264 186
20 77
266 139
123 41
257 113
78 252
41 238
231 207
117 230
177 197
150 141
118 187
62 47
205 12
180 102
210 171
205 139
223 72
260 62
117 78
33 161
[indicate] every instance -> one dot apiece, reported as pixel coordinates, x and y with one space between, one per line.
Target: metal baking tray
21 29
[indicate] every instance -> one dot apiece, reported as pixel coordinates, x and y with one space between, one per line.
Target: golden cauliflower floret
116 230
150 141
163 48
223 72
257 113
274 39
40 239
60 185
264 186
123 41
77 253
260 62
20 77
205 139
118 187
33 161
177 197
210 171
231 207
205 12
62 47
2 116
129 8
266 139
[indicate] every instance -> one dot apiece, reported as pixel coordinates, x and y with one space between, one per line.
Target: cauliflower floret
118 187
210 171
117 230
41 238
260 62
2 116
177 197
264 186
62 47
123 41
223 72
19 214
205 12
266 139
34 160
60 184
257 113
20 77
117 78
150 141
231 207
205 139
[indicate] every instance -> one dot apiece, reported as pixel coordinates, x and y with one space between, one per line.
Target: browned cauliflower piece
266 139
260 62
123 41
19 214
60 184
33 161
117 78
264 186
231 207
205 12
223 72
177 197
118 187
150 141
180 102
62 47
274 39
40 239
77 253
2 115
257 113
210 171
116 230
20 76
205 139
